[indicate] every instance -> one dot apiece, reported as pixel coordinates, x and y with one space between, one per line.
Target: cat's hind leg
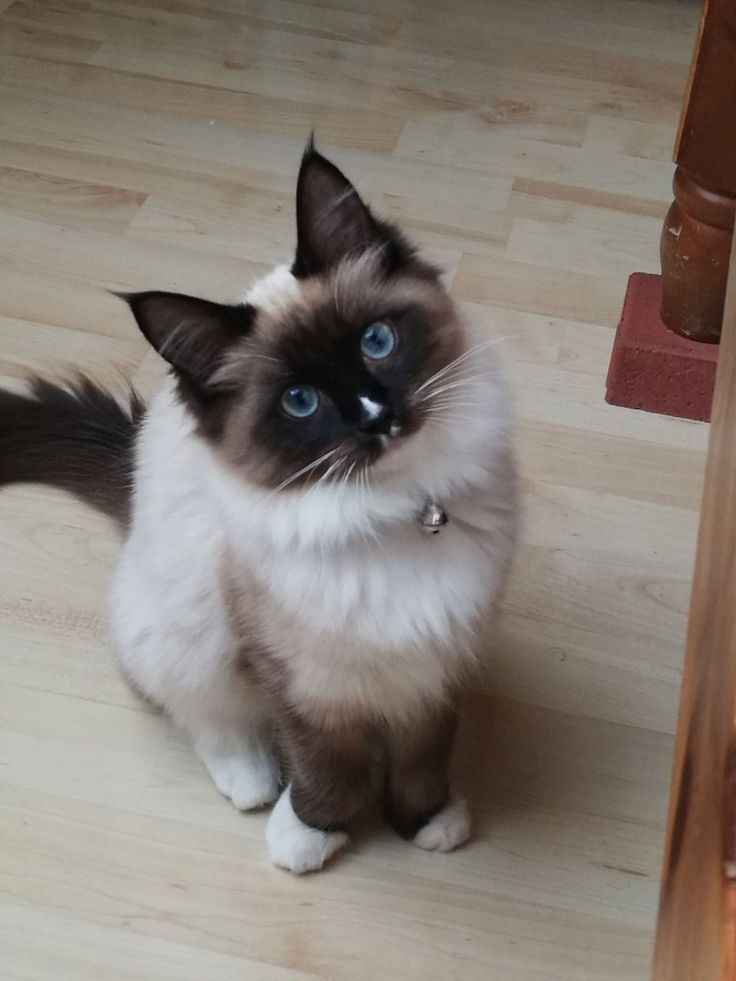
176 648
230 727
225 714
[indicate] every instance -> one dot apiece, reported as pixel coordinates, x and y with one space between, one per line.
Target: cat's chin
389 444
380 453
391 455
410 453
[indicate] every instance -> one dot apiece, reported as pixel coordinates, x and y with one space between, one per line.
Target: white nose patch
372 409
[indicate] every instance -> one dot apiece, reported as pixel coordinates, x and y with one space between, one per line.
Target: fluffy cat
276 593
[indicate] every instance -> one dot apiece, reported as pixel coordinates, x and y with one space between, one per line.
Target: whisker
346 477
459 360
452 398
453 414
466 370
451 364
265 357
362 484
450 414
369 484
449 386
309 467
452 418
447 422
443 396
461 371
374 536
333 467
444 406
330 470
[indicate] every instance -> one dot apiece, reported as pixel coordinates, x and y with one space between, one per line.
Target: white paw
447 830
293 845
249 780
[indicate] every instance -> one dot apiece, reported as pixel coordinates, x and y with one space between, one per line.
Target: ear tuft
193 335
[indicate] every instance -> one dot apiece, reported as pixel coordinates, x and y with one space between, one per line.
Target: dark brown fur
77 438
417 778
329 770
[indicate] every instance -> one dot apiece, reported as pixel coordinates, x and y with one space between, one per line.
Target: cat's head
326 369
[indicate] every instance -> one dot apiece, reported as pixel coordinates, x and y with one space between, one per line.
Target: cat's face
332 372
327 370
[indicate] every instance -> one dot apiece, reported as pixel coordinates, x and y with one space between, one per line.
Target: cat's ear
332 221
193 335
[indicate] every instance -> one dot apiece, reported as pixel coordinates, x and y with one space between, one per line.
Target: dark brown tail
76 437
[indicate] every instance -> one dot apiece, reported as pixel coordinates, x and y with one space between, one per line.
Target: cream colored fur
368 613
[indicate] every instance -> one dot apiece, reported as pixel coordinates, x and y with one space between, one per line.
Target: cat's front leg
419 802
329 783
239 759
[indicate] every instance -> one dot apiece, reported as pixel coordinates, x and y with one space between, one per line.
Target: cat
276 593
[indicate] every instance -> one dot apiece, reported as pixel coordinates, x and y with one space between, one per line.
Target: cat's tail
77 437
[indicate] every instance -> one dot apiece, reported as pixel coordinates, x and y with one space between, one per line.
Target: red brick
651 367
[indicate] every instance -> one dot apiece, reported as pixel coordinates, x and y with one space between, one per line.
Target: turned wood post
697 233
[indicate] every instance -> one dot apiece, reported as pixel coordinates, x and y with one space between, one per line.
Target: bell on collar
432 518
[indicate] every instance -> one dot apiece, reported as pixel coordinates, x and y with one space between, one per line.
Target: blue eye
300 401
378 341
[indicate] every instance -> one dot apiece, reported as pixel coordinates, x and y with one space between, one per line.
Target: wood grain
695 937
698 228
525 144
706 143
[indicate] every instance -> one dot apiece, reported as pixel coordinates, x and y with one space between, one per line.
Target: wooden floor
526 144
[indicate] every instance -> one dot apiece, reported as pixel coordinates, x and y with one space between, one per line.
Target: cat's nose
376 418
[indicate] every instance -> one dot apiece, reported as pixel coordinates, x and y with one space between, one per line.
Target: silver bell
432 518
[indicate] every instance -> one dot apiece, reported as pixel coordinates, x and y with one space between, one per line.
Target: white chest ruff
400 590
381 625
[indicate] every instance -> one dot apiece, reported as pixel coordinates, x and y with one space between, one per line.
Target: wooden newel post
698 229
696 242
